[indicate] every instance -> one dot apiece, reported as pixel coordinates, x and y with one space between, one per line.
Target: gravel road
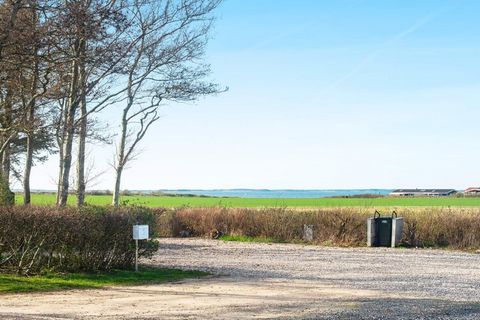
397 283
285 281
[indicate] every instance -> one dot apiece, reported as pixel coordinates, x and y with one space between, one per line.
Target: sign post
136 255
140 232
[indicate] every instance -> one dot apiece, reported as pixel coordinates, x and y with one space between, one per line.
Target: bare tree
62 61
91 175
91 37
165 65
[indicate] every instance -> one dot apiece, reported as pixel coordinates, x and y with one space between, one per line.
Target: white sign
140 232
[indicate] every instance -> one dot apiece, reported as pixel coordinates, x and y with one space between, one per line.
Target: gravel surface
278 281
406 283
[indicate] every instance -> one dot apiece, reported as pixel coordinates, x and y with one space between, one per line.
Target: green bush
7 197
33 239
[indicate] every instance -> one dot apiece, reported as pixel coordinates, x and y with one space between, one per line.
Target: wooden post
136 255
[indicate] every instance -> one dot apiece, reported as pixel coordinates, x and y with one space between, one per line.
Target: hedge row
424 227
33 239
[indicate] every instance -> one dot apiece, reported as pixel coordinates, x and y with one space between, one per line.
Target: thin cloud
279 36
372 56
295 31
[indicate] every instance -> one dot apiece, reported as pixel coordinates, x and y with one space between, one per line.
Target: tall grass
424 227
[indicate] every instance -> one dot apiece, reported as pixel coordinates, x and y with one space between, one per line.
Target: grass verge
51 282
250 239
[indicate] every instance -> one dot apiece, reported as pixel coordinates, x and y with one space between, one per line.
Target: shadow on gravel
425 284
406 309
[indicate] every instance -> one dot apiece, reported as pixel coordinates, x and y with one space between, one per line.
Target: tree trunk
60 140
82 133
28 169
60 170
6 164
116 191
67 143
81 152
8 118
66 164
30 132
120 160
29 154
6 195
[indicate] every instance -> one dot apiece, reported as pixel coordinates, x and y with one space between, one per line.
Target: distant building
472 191
422 192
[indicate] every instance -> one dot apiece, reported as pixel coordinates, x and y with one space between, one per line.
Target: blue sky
323 94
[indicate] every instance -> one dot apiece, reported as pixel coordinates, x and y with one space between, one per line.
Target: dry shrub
338 226
36 238
342 226
166 223
457 228
424 227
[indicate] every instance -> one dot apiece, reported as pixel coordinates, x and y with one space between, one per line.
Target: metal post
136 255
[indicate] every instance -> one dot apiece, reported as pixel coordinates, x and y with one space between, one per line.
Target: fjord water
288 193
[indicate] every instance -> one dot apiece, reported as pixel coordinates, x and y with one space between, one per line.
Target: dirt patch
208 298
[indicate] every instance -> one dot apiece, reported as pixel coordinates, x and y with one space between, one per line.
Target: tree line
64 62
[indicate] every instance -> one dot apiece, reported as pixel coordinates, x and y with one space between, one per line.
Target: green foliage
7 197
54 281
177 202
250 239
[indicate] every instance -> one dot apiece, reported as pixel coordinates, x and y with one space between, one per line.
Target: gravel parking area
286 281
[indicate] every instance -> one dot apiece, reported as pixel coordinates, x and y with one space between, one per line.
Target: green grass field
174 202
14 283
249 239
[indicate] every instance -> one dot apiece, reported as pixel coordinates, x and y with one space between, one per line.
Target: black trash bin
382 231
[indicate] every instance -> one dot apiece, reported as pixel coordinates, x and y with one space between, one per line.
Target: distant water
264 193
